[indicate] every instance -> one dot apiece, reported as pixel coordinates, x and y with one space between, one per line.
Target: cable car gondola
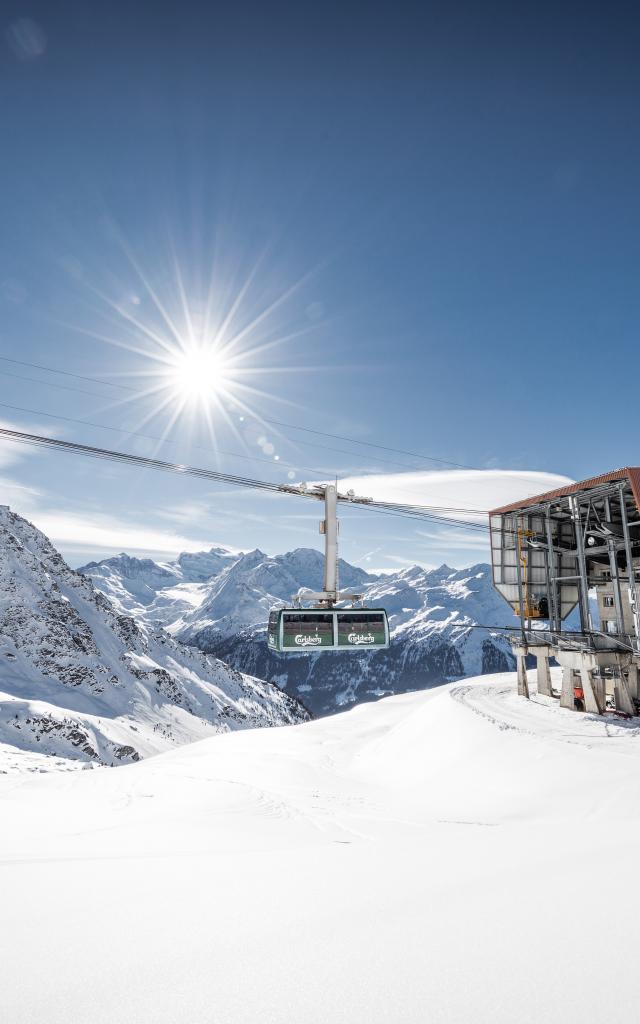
325 627
292 630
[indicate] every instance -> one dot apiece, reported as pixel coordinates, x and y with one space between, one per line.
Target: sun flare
198 373
204 346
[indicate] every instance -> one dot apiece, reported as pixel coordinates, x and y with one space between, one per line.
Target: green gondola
292 630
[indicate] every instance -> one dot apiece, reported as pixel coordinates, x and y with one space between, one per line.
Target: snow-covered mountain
158 592
79 680
433 615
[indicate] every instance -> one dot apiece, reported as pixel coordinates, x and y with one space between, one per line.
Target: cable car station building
549 554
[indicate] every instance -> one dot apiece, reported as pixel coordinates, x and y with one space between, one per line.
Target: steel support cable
421 517
251 458
426 517
144 462
418 511
442 508
152 437
218 451
135 460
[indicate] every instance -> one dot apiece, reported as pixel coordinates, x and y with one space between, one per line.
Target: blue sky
424 219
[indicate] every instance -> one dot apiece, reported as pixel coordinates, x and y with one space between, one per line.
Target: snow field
455 855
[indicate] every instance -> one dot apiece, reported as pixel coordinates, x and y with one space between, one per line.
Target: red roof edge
630 473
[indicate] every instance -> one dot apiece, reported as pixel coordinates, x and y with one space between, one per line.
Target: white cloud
405 563
192 513
20 497
480 489
12 452
74 532
456 539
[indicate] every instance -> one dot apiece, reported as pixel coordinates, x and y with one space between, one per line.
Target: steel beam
633 589
583 589
520 591
330 542
551 567
617 592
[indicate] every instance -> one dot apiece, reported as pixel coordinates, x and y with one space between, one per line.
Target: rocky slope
79 680
432 613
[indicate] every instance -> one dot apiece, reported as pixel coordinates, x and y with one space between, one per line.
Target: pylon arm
326 597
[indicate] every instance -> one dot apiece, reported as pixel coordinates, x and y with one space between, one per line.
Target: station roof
630 473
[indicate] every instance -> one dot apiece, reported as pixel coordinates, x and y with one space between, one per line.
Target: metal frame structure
548 553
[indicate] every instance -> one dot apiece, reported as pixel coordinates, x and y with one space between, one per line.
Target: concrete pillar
632 681
567 697
622 695
543 673
590 665
593 688
523 685
599 684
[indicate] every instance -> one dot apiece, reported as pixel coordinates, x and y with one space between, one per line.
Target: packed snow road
456 855
543 717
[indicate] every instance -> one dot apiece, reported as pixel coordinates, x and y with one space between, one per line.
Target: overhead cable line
370 444
65 373
279 423
94 394
51 384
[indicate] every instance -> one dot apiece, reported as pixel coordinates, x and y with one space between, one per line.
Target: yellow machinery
532 608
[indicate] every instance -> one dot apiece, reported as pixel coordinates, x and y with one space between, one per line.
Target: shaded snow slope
79 681
433 614
452 856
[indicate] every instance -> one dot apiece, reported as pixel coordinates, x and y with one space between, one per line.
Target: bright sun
198 373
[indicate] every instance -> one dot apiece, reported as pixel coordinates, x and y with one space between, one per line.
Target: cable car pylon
324 626
330 595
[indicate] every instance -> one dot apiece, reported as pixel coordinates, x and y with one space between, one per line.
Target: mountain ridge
433 613
81 681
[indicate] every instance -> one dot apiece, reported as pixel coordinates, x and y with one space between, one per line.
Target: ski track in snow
543 717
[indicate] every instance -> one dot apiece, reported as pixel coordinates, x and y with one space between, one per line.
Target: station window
611 626
607 601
